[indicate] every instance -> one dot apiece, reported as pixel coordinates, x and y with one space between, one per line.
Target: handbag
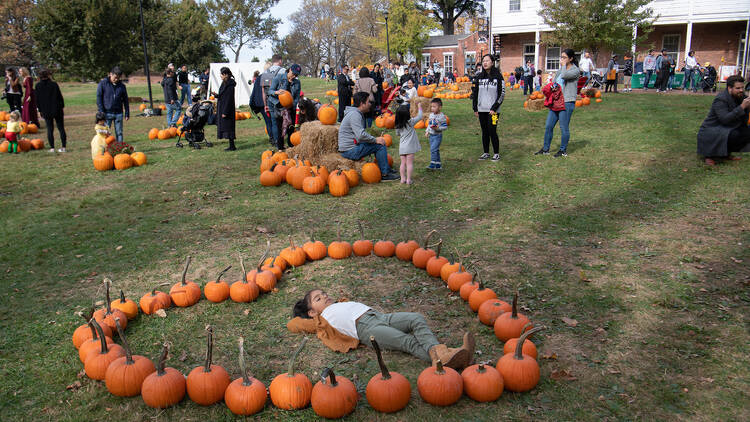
553 97
612 74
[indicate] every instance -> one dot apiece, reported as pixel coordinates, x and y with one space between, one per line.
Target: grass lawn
631 236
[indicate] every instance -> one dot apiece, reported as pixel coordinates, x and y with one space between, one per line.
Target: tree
409 29
243 22
15 38
447 11
597 24
255 59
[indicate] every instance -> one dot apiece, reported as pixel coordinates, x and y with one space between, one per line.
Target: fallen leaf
614 371
569 321
161 312
583 278
81 374
550 356
76 215
183 356
79 256
704 379
118 248
74 386
600 330
736 261
562 375
260 229
246 311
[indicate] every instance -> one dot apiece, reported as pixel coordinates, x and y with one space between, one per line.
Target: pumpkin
422 254
93 343
420 90
578 103
388 139
37 143
277 261
285 98
371 173
264 279
97 362
279 156
277 271
269 177
467 289
436 263
387 391
384 248
266 154
479 296
293 255
598 94
245 395
266 164
109 139
315 249
490 309
510 324
380 121
586 101
163 134
281 169
352 176
295 138
123 162
5 144
165 387
458 279
153 133
526 103
328 115
299 176
405 250
185 293
520 372
291 390
125 375
450 268
313 185
439 385
338 184
139 158
419 125
362 247
104 162
206 384
482 383
244 290
528 348
339 249
217 291
106 315
334 399
127 306
428 93
598 100
155 300
87 332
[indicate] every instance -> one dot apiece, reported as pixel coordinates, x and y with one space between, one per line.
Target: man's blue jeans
115 118
186 93
435 141
689 82
564 117
269 128
364 149
173 113
648 78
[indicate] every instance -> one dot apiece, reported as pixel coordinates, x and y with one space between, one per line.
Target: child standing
512 80
408 141
13 130
99 143
538 81
436 124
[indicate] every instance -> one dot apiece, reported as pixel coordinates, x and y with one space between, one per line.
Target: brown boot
470 346
452 358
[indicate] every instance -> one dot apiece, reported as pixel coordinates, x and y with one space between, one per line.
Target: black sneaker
496 157
484 156
561 153
391 176
542 152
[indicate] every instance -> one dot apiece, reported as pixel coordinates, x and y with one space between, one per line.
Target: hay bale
464 86
589 92
335 161
413 110
316 139
535 105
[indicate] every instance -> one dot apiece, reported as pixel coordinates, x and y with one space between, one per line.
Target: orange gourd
123 162
435 263
333 399
217 291
165 387
153 133
313 184
295 138
138 158
479 296
107 315
384 248
206 384
86 332
510 324
285 98
520 372
125 375
245 290
155 300
269 177
387 391
491 309
458 279
293 255
127 306
97 362
352 177
440 386
362 247
422 254
371 173
528 348
291 390
315 249
327 115
482 383
338 184
185 293
265 279
245 395
339 249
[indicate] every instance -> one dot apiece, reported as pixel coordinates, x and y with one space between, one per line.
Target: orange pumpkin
520 372
327 115
490 309
139 158
127 306
315 249
387 391
338 184
388 140
291 390
598 100
98 361
352 176
482 383
123 162
245 395
37 143
371 173
440 386
384 248
528 347
125 375
285 98
436 263
185 293
109 139
405 250
586 101
206 384
510 324
313 185
217 291
295 138
362 247
104 162
293 255
422 254
479 296
339 249
244 290
165 387
155 300
458 279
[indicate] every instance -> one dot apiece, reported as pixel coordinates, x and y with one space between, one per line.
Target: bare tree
243 22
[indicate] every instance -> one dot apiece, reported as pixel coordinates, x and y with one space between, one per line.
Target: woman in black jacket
377 76
487 93
50 103
225 108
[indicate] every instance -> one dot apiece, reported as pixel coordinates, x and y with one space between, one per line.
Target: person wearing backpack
270 114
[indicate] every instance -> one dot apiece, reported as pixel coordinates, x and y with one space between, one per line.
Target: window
514 5
448 62
553 58
470 60
741 52
426 62
528 53
671 43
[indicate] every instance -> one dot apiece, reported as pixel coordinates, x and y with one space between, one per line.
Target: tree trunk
448 22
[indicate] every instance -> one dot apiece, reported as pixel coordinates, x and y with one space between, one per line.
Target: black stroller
195 119
595 81
708 78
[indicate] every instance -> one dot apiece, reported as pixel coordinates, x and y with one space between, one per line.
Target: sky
263 52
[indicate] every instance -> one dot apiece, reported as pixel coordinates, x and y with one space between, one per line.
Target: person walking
725 129
565 84
184 83
203 80
344 86
28 109
612 68
170 98
528 78
270 115
627 72
377 76
438 70
649 68
51 105
488 93
663 68
366 84
587 65
288 82
225 108
414 73
691 68
13 89
112 100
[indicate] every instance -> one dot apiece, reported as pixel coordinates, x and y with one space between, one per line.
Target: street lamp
387 40
145 58
335 50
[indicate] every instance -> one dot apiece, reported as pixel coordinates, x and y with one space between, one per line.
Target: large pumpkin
245 395
439 385
104 162
333 399
285 98
327 115
387 391
482 383
125 375
185 293
123 162
270 177
520 372
352 176
217 291
510 324
371 173
291 390
165 387
206 384
313 185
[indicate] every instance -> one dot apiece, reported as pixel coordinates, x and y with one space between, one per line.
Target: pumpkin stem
527 326
429 235
244 271
265 254
122 297
439 246
290 370
246 381
458 259
383 369
338 231
291 242
94 334
519 346
312 236
162 359
328 372
210 344
481 369
439 367
153 291
107 283
184 272
103 340
514 314
218 277
128 355
361 230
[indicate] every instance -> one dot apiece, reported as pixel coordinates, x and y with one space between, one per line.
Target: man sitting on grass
725 129
355 142
342 325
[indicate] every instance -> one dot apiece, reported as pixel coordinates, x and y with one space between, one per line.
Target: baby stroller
596 80
708 78
389 94
193 123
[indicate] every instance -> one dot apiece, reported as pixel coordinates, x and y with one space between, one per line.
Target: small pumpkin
352 176
264 279
277 271
491 309
313 184
125 375
277 261
98 361
450 268
422 254
93 343
339 249
123 162
520 372
295 138
384 248
165 387
217 291
405 250
107 315
528 348
109 139
285 98
333 399
245 395
482 383
362 247
371 173
127 306
155 300
327 115
293 255
244 290
510 324
458 279
87 332
387 391
338 184
104 162
270 177
467 289
185 293
388 140
281 169
439 385
291 390
37 143
153 133
435 263
206 384
315 249
479 296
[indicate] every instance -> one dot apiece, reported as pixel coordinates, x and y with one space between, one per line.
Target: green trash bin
637 80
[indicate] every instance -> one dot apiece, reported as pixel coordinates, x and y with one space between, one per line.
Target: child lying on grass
342 325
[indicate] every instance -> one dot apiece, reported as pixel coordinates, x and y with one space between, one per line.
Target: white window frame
741 51
676 53
468 68
555 58
512 3
428 58
532 54
447 68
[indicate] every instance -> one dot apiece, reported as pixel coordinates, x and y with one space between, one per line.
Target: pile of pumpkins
163 134
583 101
24 145
242 115
123 161
452 91
334 396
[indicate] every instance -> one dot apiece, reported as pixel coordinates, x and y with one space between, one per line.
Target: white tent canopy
243 73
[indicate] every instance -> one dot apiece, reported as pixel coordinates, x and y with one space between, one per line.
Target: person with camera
725 130
561 96
488 92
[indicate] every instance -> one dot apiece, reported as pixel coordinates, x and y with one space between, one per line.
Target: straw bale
413 110
464 86
316 139
536 105
335 161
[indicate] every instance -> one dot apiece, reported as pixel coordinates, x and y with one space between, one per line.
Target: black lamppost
387 40
145 58
336 50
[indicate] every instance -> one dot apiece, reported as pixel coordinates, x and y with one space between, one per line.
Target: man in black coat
50 103
170 98
725 129
345 85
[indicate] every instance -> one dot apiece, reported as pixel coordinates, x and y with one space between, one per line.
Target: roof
445 40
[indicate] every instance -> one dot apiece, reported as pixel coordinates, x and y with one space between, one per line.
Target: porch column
632 48
688 36
537 38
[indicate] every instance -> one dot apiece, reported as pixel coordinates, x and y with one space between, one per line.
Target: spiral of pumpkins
24 145
334 396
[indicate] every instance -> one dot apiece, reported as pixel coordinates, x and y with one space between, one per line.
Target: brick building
460 52
715 29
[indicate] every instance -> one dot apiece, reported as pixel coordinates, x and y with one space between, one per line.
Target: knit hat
296 69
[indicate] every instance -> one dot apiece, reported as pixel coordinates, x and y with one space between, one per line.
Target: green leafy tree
597 24
255 59
15 39
447 11
409 29
243 22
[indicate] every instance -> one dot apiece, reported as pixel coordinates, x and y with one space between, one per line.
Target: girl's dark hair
364 73
571 55
302 307
376 65
226 71
100 116
539 72
402 116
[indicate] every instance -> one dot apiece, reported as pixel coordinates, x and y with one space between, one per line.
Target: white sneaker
62 150
51 150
